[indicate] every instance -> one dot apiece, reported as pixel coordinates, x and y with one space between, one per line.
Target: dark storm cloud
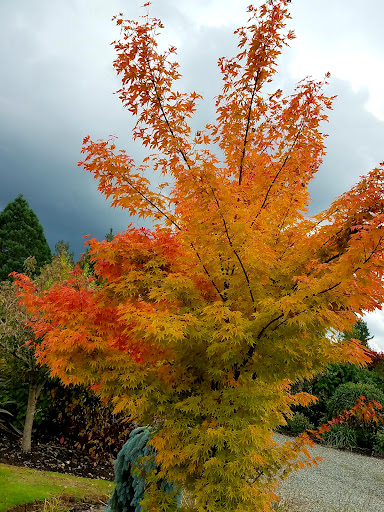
57 87
354 146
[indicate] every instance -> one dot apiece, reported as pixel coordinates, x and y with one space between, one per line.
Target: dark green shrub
134 467
324 385
299 423
378 443
341 436
336 374
345 396
5 414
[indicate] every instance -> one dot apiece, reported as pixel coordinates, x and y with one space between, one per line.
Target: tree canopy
200 325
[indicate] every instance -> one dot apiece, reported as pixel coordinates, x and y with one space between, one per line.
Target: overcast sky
57 85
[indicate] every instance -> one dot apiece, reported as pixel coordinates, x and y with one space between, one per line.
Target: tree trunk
34 392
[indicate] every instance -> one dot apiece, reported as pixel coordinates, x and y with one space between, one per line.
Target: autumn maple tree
200 325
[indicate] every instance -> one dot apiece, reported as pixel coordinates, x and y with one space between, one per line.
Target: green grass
22 485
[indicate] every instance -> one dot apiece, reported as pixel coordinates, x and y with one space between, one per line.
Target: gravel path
347 481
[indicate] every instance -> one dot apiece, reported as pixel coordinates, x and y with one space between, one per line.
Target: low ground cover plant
341 436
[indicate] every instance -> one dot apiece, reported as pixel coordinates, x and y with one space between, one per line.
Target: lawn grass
20 485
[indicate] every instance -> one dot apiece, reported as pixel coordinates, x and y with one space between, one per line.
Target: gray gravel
344 482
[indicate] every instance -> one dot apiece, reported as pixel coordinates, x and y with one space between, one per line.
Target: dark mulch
68 504
53 457
59 458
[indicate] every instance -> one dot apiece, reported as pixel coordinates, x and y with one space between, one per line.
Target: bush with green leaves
345 396
378 443
299 423
337 374
324 385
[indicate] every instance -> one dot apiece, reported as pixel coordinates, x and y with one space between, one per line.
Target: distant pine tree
360 332
21 236
62 247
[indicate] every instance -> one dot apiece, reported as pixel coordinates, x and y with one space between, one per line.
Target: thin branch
252 348
233 248
374 251
247 127
208 274
249 114
163 112
327 289
152 204
279 171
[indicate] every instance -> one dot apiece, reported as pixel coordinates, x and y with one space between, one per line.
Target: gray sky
57 85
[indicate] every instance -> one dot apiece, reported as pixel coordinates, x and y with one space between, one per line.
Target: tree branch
233 248
249 115
279 171
247 128
164 114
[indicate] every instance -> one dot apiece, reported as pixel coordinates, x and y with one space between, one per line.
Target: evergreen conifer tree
360 332
134 463
21 236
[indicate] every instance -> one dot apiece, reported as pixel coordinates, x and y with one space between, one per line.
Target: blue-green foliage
134 463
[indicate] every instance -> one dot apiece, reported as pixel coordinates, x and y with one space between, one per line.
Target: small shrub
341 436
378 443
135 467
299 423
54 505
